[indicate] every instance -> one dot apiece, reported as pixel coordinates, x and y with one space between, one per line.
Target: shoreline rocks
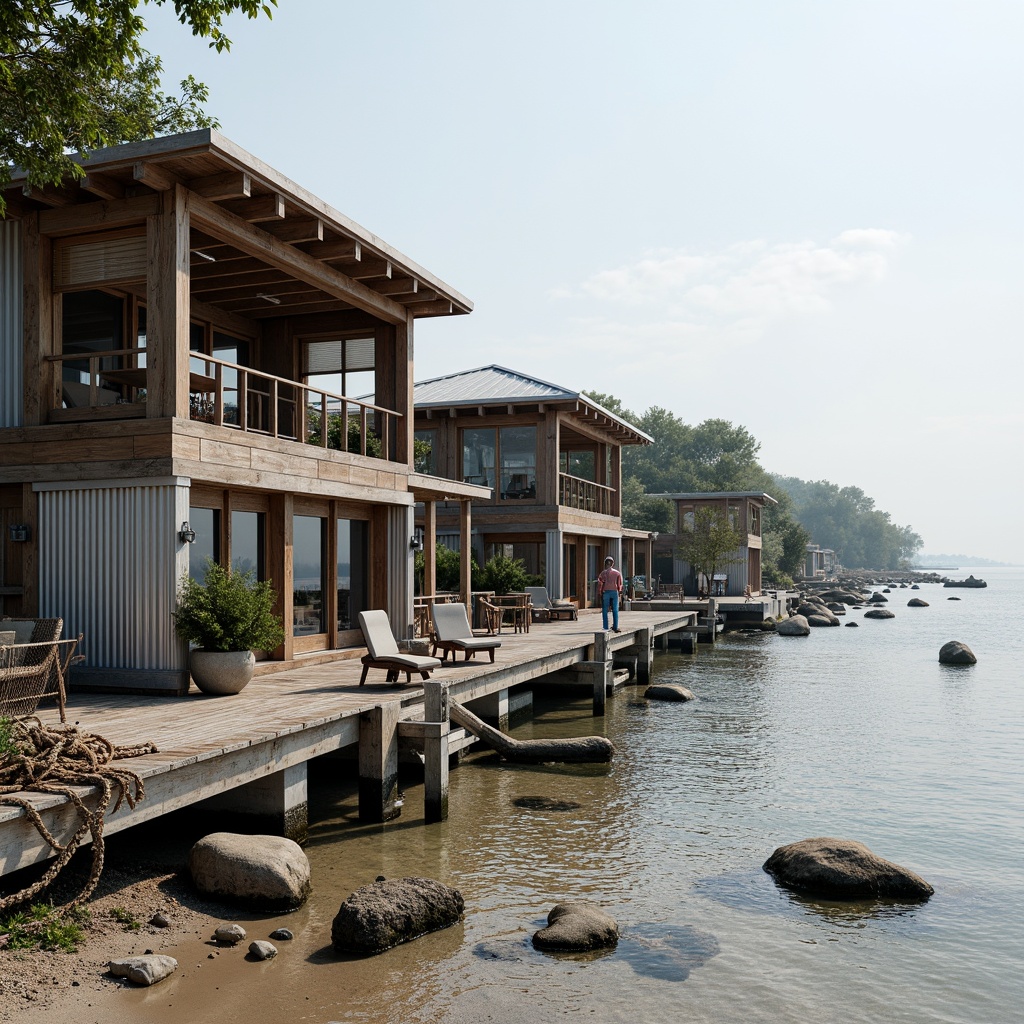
956 653
263 872
577 927
669 692
388 912
843 869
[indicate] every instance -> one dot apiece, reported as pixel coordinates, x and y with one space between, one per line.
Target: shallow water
858 733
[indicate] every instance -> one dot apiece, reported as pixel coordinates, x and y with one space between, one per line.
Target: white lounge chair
543 608
383 650
452 632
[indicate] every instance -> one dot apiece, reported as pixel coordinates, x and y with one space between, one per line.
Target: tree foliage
74 77
710 543
716 455
846 520
447 570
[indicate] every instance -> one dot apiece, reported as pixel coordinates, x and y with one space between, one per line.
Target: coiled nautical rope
54 760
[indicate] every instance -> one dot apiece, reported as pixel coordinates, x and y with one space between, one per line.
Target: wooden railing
229 395
575 492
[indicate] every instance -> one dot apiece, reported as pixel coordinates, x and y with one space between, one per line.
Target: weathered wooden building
742 510
181 330
551 460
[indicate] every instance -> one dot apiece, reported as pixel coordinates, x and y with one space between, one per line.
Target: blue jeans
610 599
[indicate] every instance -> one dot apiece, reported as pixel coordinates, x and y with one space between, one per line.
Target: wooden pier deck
257 742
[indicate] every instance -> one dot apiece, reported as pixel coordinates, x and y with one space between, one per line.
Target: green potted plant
227 617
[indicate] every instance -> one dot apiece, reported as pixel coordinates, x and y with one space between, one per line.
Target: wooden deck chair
544 610
382 650
452 632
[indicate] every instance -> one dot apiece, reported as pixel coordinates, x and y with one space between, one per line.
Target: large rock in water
577 926
795 625
263 872
916 602
956 653
389 912
668 691
879 613
843 869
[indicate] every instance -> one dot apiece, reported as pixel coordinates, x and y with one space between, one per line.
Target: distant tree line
716 455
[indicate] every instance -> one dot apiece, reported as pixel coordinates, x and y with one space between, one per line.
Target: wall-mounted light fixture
186 534
19 533
416 541
654 535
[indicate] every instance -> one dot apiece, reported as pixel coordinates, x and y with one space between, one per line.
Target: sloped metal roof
497 385
487 384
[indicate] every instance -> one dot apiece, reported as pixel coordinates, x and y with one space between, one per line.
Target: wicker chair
34 666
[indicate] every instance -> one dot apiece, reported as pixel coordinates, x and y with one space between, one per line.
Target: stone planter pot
221 672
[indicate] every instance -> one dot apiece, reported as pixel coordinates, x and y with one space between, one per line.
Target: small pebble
159 920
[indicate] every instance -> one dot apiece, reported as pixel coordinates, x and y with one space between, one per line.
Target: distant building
820 562
552 459
743 509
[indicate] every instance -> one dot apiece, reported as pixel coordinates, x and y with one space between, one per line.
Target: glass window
308 575
353 571
478 456
342 366
248 543
569 569
518 462
423 460
93 321
206 523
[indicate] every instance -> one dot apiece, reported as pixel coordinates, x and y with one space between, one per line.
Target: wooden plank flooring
210 744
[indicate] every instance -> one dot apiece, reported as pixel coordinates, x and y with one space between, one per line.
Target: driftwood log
584 749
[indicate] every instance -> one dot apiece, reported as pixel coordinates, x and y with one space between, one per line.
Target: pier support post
645 655
378 763
493 709
435 750
274 804
601 667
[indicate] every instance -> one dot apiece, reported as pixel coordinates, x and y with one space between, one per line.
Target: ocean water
857 733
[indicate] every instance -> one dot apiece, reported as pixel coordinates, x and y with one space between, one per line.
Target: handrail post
362 431
218 392
272 411
243 398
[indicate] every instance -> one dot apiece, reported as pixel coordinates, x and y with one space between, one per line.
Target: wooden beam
49 195
168 308
153 176
287 291
297 229
441 307
294 308
259 243
398 286
227 185
334 249
240 268
236 282
367 267
114 213
103 185
258 208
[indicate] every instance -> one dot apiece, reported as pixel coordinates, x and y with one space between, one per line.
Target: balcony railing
229 395
575 492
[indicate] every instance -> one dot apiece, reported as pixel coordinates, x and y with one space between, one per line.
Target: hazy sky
803 217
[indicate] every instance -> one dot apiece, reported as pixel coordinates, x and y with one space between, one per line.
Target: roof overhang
437 488
239 195
720 495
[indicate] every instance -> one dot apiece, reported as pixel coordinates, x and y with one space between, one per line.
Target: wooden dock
251 750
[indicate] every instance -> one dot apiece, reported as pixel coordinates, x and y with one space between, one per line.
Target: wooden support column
403 390
435 750
616 480
601 667
429 546
493 709
168 308
276 804
645 654
280 527
38 333
378 763
466 557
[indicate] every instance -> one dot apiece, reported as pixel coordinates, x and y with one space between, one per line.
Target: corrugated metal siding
11 288
109 564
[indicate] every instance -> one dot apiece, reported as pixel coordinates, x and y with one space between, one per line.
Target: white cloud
741 289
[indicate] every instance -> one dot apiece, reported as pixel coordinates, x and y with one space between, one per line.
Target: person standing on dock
609 587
